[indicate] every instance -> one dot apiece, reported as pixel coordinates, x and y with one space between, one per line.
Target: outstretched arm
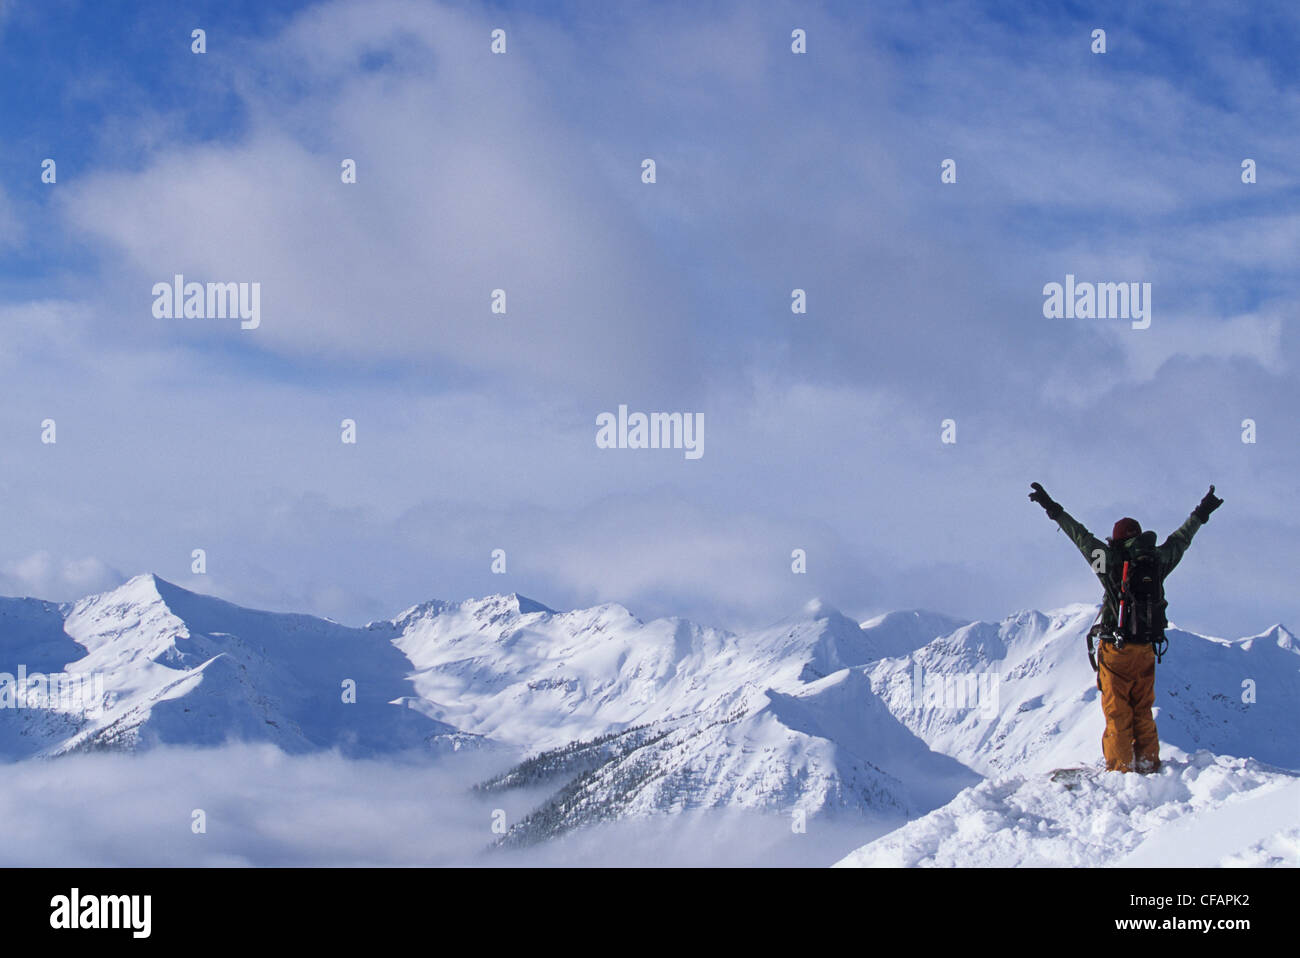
1173 548
1087 543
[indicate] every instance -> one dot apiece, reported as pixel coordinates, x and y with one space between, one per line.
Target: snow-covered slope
772 719
830 746
1047 713
512 669
816 735
1204 811
620 717
32 636
769 719
180 668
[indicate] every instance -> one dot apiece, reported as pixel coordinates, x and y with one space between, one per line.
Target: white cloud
468 181
60 579
265 808
1253 336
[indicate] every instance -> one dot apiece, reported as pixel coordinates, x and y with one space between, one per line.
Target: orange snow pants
1127 678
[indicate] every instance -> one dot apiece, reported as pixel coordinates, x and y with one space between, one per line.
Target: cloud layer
775 172
246 805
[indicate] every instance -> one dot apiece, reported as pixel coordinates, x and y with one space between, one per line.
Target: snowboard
1071 777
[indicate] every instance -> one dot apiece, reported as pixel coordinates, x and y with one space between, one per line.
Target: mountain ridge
816 713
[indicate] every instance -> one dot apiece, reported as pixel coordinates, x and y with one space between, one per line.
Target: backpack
1139 585
1139 591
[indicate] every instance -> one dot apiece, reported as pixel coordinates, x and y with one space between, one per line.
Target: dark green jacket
1170 552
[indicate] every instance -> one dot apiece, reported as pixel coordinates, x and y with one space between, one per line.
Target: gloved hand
1040 496
1208 505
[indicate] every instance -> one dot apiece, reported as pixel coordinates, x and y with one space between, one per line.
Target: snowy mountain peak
497 607
131 620
168 665
901 633
1026 622
527 606
503 604
422 610
138 590
1278 635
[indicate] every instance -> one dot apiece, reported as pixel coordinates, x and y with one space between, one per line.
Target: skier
1131 623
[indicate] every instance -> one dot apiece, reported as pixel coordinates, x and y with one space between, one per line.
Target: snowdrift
1200 811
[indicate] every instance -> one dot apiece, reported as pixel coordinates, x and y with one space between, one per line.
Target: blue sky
775 171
